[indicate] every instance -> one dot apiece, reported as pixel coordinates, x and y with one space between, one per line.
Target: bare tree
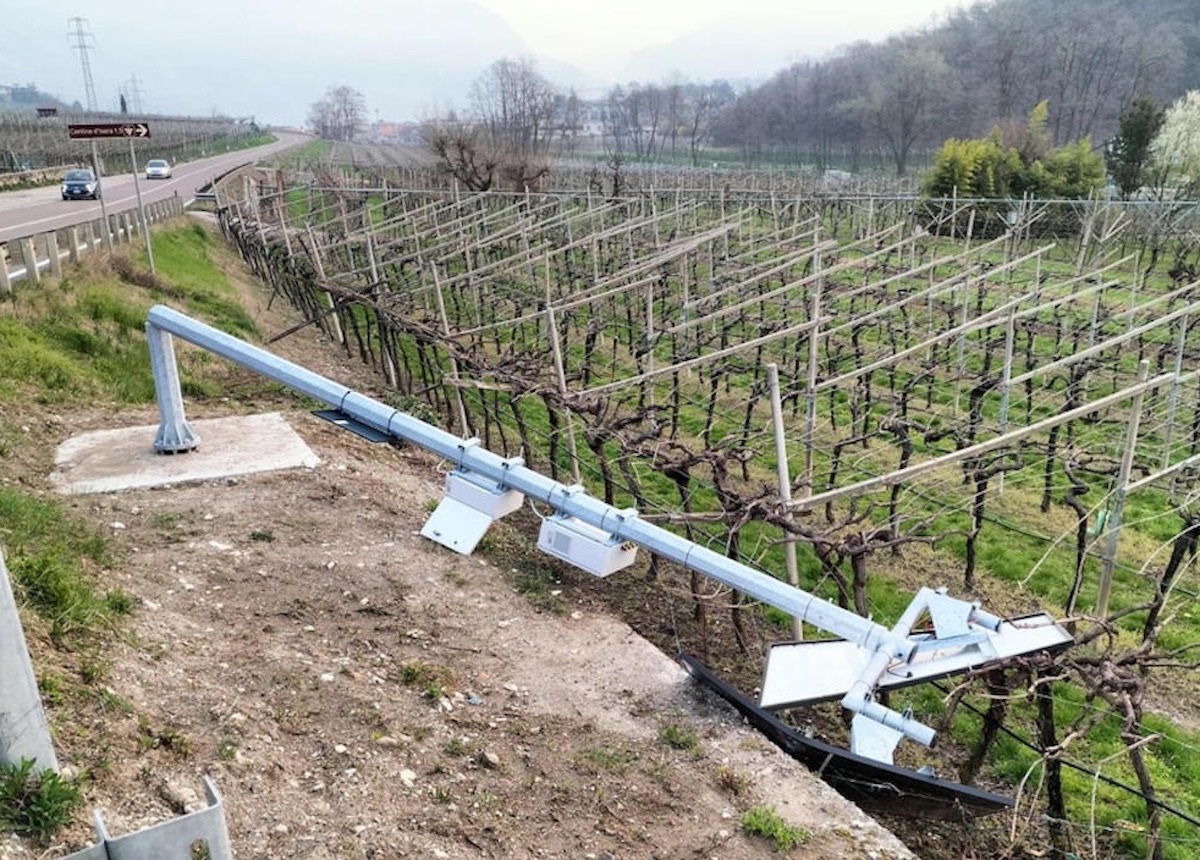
516 105
702 106
903 95
463 151
508 138
339 114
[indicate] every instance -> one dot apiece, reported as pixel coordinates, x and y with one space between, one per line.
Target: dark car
80 185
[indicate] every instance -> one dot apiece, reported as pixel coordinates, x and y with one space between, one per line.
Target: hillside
353 690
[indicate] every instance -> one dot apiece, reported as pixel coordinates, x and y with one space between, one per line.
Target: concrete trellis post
24 733
785 485
1114 518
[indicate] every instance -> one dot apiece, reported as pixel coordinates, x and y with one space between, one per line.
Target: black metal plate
341 419
873 785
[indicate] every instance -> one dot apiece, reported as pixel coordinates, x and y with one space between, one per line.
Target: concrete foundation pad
106 461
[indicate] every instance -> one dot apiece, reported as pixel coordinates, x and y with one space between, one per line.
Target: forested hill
985 66
27 98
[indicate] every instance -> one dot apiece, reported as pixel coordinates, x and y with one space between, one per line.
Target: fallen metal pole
571 501
176 437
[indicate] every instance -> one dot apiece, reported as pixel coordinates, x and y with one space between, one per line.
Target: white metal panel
798 673
456 526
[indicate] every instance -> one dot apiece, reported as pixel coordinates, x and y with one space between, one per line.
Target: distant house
394 132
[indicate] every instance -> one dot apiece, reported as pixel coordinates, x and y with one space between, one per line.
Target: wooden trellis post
810 389
1006 381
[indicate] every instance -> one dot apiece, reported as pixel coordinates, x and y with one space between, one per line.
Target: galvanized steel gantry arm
591 534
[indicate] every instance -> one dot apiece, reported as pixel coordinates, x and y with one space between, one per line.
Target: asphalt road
40 210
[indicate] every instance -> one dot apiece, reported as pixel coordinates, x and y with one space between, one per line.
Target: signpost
105 130
109 130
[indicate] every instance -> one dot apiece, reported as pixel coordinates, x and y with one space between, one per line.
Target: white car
157 168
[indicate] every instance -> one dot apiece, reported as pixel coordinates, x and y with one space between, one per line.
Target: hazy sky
601 37
273 58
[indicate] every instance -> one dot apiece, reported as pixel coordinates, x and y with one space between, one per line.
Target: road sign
108 129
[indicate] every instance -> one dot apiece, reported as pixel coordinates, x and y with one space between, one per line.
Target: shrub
988 168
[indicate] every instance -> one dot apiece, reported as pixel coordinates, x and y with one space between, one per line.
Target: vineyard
863 393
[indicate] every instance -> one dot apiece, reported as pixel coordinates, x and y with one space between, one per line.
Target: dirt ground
356 691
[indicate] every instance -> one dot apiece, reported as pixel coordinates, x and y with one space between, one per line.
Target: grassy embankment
69 347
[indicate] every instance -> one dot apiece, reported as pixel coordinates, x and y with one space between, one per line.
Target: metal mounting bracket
177 839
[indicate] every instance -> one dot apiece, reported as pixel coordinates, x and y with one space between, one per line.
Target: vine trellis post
1010 331
1173 397
814 364
1114 518
560 374
455 384
785 486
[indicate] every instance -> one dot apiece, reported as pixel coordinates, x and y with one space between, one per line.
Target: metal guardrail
24 733
46 251
42 252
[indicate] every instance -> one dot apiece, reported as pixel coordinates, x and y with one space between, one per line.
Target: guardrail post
29 255
73 247
24 733
5 283
202 833
52 251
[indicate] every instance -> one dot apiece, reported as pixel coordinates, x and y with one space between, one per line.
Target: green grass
766 822
54 560
81 339
36 804
598 759
680 737
185 258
